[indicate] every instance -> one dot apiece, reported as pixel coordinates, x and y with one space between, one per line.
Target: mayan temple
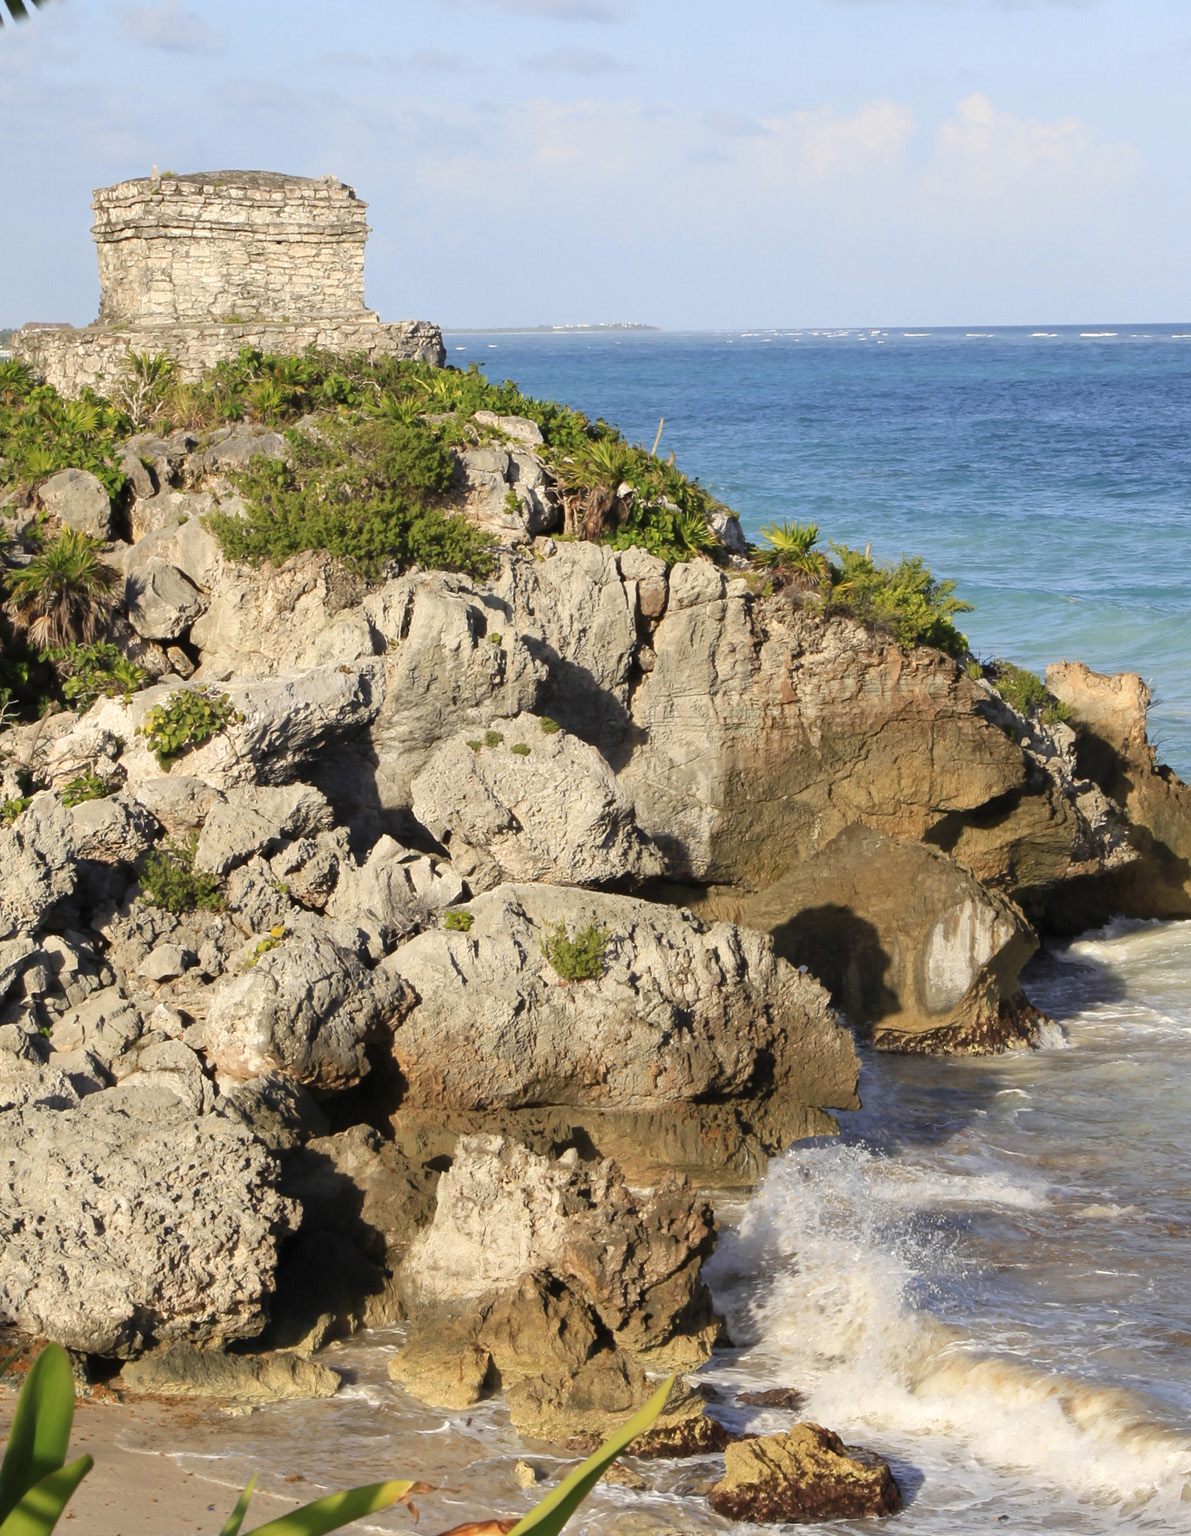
199 266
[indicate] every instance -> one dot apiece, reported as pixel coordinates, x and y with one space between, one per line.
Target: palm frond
17 9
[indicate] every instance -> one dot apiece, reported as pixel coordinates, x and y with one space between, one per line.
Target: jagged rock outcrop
686 1024
537 804
37 863
762 731
548 1279
807 1474
905 940
125 1221
1113 750
183 1372
75 497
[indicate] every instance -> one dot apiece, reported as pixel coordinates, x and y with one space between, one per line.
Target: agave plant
64 594
36 1485
792 549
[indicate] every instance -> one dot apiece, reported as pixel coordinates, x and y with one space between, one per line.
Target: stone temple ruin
199 266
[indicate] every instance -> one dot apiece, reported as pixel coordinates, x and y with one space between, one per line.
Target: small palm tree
792 549
65 594
18 10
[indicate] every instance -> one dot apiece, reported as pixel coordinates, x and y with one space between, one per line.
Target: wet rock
551 812
272 1378
75 497
805 1475
773 1397
125 1220
306 1008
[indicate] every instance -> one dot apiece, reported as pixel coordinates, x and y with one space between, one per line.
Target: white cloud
986 155
171 26
562 10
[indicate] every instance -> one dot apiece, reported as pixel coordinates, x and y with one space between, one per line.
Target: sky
692 164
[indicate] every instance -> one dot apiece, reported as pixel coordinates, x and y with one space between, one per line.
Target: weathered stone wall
95 357
197 267
250 244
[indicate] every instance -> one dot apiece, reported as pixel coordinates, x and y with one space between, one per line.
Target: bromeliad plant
36 1483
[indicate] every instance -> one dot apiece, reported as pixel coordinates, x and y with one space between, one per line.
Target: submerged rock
806 1474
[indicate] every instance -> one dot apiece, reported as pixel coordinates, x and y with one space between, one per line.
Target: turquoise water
1049 474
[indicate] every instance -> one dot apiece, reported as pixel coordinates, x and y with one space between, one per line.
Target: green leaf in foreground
335 1510
549 1517
41 1508
236 1519
40 1431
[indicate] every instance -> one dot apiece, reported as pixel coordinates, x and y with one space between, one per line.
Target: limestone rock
762 730
180 538
554 813
512 494
86 749
307 1009
258 819
184 1372
395 892
905 940
75 497
37 863
178 801
807 1474
518 427
166 962
105 1023
162 602
124 1221
114 830
682 1012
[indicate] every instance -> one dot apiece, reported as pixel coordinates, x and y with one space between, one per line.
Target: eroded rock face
37 863
1113 750
806 1474
75 497
183 1372
537 805
905 940
762 731
125 1221
306 1009
684 1017
547 1278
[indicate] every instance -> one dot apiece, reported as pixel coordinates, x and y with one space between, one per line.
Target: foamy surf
841 1310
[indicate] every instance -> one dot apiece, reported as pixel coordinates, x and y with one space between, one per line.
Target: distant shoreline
549 330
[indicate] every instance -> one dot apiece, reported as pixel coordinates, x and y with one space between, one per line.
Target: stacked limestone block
199 266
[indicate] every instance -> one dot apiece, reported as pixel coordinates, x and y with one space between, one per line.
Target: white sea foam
837 1313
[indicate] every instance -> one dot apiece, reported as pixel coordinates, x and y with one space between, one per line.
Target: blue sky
681 162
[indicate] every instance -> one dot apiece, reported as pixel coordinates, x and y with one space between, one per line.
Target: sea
986 1276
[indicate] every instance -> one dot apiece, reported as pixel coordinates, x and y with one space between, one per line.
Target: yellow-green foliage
520 749
549 727
262 947
492 738
88 672
169 879
87 786
580 958
1027 693
41 433
904 599
186 720
11 809
458 921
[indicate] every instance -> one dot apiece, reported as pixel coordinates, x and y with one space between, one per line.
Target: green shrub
475 745
494 638
549 727
42 433
169 879
792 547
1027 693
492 738
87 786
366 490
458 922
520 749
904 599
11 809
186 720
580 958
89 672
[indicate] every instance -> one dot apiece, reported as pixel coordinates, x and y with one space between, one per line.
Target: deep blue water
1048 474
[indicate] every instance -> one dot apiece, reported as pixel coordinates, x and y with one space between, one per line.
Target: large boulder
113 830
906 940
258 819
125 1221
162 601
306 1008
539 804
183 1372
37 863
807 1474
762 730
75 497
689 1032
